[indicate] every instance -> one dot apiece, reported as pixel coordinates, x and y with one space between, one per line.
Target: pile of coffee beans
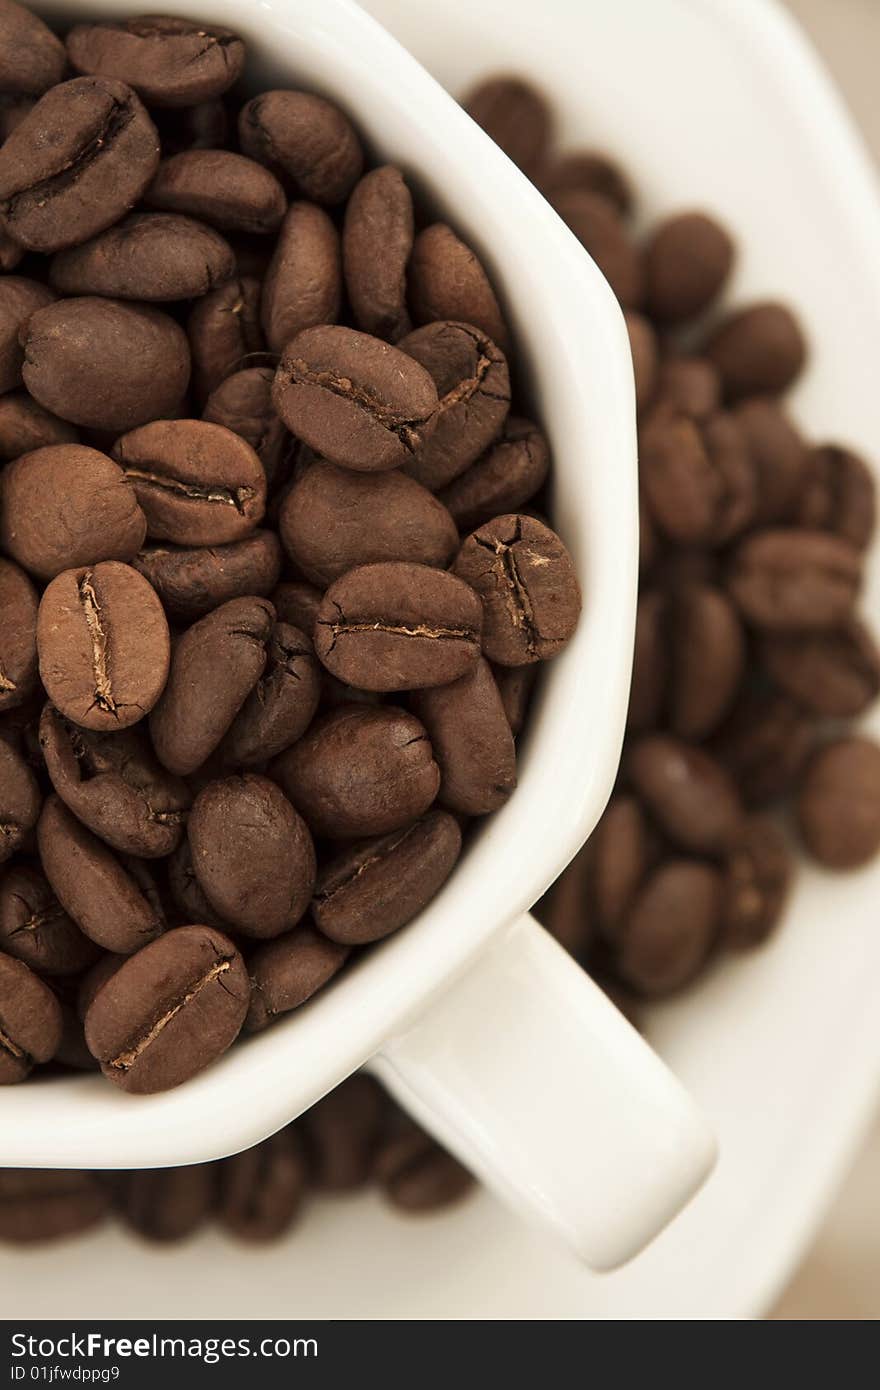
353 1138
750 653
270 605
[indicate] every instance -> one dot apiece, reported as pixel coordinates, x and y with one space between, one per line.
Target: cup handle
526 1072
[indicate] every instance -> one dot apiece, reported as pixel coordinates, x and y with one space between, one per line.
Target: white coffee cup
473 1017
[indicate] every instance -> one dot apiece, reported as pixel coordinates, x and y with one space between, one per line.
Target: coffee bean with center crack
39 1205
793 580
447 281
506 478
35 928
18 634
764 744
20 800
303 285
779 458
377 240
220 187
149 255
30 1021
305 138
31 57
168 61
472 741
262 1189
838 495
190 582
281 705
835 673
288 971
224 332
168 1204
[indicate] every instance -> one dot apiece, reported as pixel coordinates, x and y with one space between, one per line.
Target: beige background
840 1278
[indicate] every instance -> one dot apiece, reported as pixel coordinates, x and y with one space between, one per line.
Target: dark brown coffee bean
35 928
515 685
334 519
26 426
221 188
757 350
689 386
507 476
377 886
38 1205
699 481
473 385
288 971
794 580
20 800
472 741
281 705
687 260
186 891
757 877
243 403
216 663
303 285
72 1051
31 57
417 1175
651 662
104 363
91 884
529 588
191 582
764 744
224 333
838 495
14 106
708 660
360 771
447 281
566 909
670 928
398 626
342 1133
377 241
94 126
645 356
168 1204
149 255
689 793
66 506
727 448
623 852
11 254
355 400
169 1011
198 483
19 299
599 227
261 1190
204 126
307 139
590 170
836 673
779 458
516 115
168 61
30 1021
297 604
115 786
838 805
104 646
18 634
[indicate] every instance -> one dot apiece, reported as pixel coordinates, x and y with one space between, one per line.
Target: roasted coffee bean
342 1133
190 582
221 188
303 285
224 333
243 403
566 909
515 685
447 281
115 786
689 386
377 886
30 1021
757 877
728 452
35 928
708 660
838 803
14 106
590 170
838 495
355 400
377 240
91 884
169 1011
757 350
252 854
297 604
416 1174
687 260
104 363
288 971
168 1204
79 160
204 126
527 582
689 794
645 356
506 477
334 519
473 385
216 663
398 626
103 644
795 580
18 633
72 1051
764 744
651 662
20 800
168 61
307 139
779 459
186 891
66 506
281 705
599 227
38 1205
149 255
25 425
835 673
19 299
517 117
198 483
11 254
623 851
670 928
261 1190
472 741
360 771
699 481
31 57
